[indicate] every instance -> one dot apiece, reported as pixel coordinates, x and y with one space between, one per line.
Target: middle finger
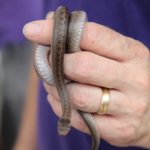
90 68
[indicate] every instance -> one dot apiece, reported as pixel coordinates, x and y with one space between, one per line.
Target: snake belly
53 74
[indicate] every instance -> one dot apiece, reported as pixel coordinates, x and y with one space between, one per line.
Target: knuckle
139 49
142 50
82 97
127 134
116 39
93 35
141 109
83 67
140 79
127 130
144 82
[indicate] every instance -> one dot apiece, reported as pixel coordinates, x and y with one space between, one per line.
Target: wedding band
105 101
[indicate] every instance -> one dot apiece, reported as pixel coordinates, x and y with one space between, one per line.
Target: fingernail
31 29
49 15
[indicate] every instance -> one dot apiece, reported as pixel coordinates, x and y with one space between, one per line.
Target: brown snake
53 75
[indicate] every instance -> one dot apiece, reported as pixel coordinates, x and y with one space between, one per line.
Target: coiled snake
52 73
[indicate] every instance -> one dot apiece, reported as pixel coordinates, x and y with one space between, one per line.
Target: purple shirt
14 14
128 17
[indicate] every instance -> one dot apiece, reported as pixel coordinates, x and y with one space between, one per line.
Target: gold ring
105 101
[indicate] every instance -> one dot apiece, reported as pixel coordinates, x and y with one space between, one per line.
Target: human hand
113 61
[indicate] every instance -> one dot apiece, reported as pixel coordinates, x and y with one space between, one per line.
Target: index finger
95 38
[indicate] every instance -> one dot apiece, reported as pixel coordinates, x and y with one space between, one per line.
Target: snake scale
67 32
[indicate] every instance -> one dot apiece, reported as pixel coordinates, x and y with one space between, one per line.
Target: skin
110 60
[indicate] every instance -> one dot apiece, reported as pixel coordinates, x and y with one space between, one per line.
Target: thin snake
67 32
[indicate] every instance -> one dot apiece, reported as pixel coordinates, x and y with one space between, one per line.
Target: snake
66 37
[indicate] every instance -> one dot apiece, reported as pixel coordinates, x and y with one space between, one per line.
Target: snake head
64 126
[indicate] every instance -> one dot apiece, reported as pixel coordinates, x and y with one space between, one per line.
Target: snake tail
87 117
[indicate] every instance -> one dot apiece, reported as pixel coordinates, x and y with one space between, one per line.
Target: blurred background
16 73
18 81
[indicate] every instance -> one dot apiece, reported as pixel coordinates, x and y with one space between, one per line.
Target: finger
34 30
106 42
89 98
50 15
39 31
109 127
76 119
96 38
119 131
90 68
86 67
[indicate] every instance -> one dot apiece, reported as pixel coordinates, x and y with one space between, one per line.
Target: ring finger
88 98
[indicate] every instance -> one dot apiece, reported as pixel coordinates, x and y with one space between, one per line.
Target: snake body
52 74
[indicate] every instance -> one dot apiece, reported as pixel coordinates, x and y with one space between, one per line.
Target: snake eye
67 121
